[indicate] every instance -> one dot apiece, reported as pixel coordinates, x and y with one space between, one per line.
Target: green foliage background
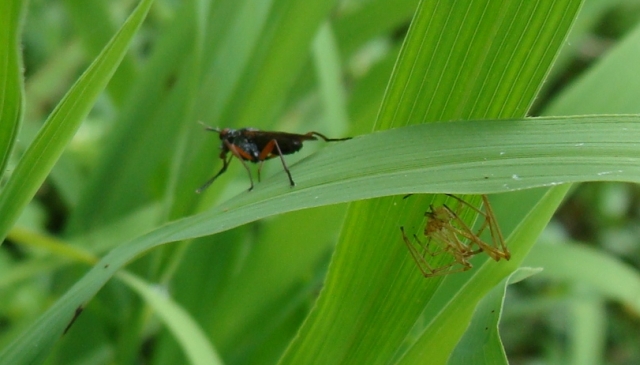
101 154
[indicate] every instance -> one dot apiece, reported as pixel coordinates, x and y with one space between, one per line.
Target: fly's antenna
210 128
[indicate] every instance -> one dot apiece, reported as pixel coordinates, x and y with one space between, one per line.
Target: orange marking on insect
248 144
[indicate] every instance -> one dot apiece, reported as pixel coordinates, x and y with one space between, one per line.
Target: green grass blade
63 122
42 154
381 166
11 82
483 60
190 336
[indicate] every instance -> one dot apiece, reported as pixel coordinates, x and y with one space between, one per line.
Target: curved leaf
545 151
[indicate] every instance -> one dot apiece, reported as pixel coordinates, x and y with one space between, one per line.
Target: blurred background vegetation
251 287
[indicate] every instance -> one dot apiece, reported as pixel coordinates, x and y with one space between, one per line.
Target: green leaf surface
11 82
489 64
542 151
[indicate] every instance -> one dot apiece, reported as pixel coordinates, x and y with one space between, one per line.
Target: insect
451 235
254 145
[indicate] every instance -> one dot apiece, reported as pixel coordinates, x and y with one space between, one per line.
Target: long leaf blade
11 83
63 122
555 152
47 148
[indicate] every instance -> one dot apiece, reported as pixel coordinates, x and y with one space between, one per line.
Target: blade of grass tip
11 81
42 154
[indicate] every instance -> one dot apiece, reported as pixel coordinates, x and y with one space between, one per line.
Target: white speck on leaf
608 172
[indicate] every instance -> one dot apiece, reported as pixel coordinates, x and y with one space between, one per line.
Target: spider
450 234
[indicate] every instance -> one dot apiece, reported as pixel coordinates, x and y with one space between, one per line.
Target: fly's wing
288 142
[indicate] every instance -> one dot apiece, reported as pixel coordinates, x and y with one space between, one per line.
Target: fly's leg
267 150
225 164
